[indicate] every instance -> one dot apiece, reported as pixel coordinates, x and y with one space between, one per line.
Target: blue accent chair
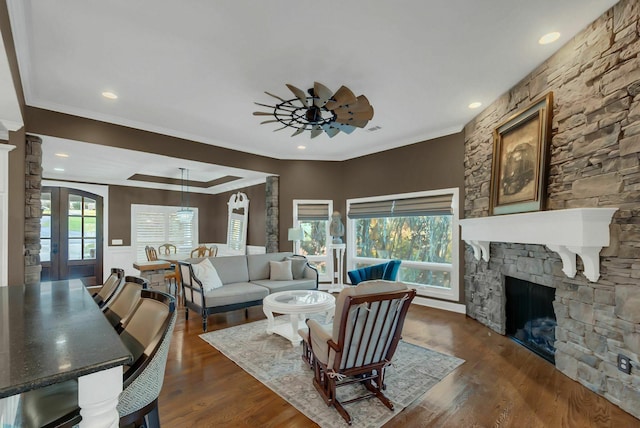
387 271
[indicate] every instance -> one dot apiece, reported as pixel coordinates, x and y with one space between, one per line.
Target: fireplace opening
531 320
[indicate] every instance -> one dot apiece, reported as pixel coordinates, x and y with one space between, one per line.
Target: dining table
174 258
53 332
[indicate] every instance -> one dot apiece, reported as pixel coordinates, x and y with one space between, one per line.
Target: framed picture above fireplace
520 158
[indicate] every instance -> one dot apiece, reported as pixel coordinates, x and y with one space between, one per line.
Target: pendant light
184 214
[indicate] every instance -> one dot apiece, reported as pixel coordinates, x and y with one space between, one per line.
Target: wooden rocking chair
366 331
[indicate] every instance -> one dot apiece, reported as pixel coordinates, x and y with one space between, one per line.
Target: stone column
273 214
32 209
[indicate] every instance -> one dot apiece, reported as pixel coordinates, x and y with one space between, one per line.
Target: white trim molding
4 213
577 231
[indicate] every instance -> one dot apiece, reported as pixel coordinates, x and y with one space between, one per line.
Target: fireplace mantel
581 231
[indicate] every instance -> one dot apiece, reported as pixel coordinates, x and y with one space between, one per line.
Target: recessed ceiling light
301 147
59 169
62 155
475 104
549 38
110 95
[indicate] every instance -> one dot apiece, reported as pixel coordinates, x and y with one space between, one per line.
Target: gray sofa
246 281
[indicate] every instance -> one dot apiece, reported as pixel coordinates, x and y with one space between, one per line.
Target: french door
71 235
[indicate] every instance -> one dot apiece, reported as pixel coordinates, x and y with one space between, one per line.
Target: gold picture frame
520 158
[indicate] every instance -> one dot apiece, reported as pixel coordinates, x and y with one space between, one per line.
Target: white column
98 398
4 214
338 251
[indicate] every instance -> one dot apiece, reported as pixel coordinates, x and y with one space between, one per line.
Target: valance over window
426 205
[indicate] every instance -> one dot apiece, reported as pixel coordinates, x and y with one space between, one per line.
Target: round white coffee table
296 304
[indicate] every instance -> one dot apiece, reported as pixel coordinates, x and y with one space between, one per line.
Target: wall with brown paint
429 165
16 208
212 212
121 198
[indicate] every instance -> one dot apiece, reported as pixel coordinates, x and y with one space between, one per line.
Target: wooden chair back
151 253
201 251
166 249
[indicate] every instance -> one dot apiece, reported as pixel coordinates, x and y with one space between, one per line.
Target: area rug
276 363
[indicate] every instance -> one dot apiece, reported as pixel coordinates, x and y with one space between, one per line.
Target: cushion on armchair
387 271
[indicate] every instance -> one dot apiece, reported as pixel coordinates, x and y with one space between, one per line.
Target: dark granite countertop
53 332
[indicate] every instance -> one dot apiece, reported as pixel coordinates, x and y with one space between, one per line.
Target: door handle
54 248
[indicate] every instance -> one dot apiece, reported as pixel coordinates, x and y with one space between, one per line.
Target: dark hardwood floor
501 384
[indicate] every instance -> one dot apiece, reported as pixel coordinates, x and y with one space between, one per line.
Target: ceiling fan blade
347 129
331 131
343 96
362 104
299 94
344 116
275 96
262 113
317 130
298 132
321 93
269 121
279 129
358 123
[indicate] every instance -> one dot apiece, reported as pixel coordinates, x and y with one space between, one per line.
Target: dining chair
360 344
166 249
151 253
110 287
147 335
170 274
213 251
201 251
122 305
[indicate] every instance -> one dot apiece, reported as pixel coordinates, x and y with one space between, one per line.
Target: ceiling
193 69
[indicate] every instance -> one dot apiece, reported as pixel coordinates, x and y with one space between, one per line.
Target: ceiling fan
319 110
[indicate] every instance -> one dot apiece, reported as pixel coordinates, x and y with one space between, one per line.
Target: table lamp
295 234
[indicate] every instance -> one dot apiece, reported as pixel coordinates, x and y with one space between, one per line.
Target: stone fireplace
594 162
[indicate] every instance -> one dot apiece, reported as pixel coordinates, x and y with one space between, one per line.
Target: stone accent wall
273 214
594 162
33 209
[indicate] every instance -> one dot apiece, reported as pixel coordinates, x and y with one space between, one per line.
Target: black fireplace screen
531 319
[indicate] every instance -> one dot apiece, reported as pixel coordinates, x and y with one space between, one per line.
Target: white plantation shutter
155 225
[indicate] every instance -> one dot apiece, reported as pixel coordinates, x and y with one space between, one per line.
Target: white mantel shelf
581 231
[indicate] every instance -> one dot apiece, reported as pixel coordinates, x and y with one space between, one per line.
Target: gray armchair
365 333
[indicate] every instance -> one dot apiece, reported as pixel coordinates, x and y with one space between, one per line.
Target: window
45 227
421 229
81 227
155 225
313 217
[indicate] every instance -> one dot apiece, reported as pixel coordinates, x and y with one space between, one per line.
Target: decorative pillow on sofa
280 271
207 274
298 264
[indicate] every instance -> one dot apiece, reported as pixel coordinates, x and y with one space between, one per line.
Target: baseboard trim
440 304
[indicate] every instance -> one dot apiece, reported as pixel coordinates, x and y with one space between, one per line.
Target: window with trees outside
155 225
420 228
313 217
